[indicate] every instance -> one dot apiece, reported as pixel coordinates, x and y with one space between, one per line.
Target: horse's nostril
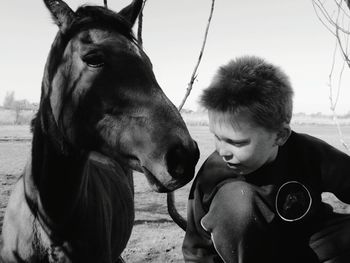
176 161
181 161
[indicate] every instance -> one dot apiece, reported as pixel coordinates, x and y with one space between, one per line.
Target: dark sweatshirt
303 158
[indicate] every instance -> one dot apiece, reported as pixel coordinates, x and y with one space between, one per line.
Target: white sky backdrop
286 33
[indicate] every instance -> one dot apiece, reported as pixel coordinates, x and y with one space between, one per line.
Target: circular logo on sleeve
293 201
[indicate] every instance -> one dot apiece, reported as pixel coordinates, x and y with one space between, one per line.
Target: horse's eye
94 60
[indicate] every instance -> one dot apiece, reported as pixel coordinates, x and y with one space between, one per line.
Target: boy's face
244 146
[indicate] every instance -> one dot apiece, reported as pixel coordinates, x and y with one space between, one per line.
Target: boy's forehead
235 126
225 128
235 120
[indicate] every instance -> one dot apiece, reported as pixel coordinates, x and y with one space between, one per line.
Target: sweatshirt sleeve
335 172
197 245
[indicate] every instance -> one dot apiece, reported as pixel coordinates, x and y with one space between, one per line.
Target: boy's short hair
250 83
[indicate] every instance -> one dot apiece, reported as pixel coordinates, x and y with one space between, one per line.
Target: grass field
155 237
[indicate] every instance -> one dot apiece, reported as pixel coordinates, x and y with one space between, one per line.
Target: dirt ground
155 237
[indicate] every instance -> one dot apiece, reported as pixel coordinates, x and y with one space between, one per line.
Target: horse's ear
61 13
131 12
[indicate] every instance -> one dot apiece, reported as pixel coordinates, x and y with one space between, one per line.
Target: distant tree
345 116
24 104
9 100
18 106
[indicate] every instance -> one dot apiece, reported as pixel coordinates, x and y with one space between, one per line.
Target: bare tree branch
335 24
194 74
341 7
174 214
340 43
334 102
330 76
105 3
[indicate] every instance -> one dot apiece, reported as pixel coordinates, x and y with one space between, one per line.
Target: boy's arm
197 246
335 170
218 223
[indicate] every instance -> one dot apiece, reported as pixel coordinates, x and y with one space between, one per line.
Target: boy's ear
283 134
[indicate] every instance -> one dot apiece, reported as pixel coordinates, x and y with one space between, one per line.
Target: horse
102 115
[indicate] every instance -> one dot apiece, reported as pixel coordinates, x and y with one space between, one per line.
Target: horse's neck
56 176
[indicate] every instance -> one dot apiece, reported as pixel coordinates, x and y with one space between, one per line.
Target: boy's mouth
234 165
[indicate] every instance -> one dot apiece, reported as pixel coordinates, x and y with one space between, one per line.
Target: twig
328 17
348 3
174 214
335 119
336 31
334 103
105 3
325 14
341 7
330 77
194 74
343 51
333 23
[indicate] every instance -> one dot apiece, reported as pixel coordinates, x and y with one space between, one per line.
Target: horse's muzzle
181 162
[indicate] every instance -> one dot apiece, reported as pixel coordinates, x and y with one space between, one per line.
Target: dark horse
102 115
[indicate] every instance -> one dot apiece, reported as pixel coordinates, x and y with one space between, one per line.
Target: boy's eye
240 144
232 142
237 143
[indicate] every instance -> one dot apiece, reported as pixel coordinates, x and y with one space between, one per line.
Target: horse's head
102 95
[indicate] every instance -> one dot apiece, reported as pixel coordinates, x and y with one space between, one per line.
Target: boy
257 198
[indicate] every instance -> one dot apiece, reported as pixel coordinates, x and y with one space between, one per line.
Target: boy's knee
240 190
233 206
236 218
238 199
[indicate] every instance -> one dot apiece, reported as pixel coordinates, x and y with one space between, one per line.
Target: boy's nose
227 157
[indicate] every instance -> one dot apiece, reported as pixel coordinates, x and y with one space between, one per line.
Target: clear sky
285 33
